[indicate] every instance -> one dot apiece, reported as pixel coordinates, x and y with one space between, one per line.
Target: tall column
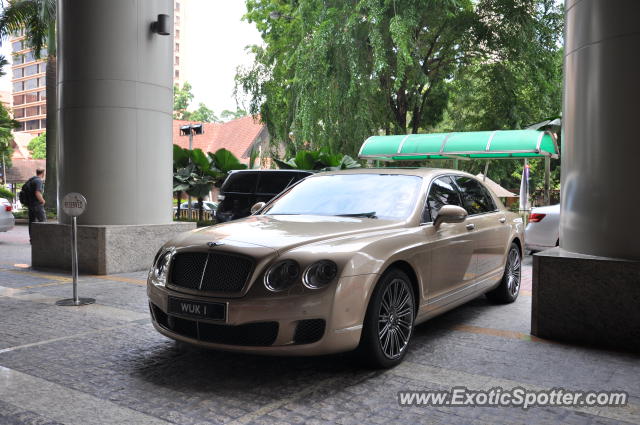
115 85
588 289
600 145
116 102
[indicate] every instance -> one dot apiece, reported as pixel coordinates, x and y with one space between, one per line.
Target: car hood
283 232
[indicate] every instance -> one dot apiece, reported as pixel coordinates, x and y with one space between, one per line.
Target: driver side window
442 193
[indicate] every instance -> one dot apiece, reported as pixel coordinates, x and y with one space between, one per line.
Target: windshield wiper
365 214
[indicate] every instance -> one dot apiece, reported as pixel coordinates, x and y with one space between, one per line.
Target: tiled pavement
105 364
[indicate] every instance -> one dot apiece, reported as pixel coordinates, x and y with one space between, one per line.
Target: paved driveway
105 364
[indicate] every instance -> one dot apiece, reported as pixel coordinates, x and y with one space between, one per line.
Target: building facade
177 14
29 96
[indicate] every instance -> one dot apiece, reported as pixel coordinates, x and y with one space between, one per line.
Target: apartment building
28 80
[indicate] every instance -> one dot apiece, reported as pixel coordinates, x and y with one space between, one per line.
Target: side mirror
450 214
257 207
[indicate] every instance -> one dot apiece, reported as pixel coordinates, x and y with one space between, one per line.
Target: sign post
74 204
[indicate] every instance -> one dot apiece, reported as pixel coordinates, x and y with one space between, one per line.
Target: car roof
260 170
418 171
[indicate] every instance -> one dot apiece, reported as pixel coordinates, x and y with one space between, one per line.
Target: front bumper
6 223
341 306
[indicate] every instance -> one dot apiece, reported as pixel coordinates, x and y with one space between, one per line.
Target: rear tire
509 288
388 324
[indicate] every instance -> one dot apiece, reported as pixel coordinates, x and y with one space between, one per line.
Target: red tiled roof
23 169
236 136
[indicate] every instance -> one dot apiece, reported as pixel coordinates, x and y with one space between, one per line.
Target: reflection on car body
341 261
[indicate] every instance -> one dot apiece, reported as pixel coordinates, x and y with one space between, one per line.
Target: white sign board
73 204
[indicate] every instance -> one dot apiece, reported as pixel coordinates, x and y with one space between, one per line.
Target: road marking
68 279
451 378
500 333
120 279
65 405
37 274
78 335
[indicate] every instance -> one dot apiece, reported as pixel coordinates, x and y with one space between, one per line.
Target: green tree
228 115
38 20
7 124
182 98
38 146
203 114
332 73
520 87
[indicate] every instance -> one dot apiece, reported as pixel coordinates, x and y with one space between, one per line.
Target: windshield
384 196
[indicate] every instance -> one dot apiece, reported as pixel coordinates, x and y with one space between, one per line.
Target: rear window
275 182
241 182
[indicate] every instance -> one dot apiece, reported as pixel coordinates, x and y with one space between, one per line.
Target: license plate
197 309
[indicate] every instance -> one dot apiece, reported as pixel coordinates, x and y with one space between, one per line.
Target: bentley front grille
213 271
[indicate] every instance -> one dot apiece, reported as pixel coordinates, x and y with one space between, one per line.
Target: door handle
502 219
471 226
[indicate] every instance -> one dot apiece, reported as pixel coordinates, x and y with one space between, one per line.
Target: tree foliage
228 115
38 146
332 73
7 125
182 97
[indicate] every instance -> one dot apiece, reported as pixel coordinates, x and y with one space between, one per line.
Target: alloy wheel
395 318
513 271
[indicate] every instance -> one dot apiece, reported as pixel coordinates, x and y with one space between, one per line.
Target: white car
7 221
543 230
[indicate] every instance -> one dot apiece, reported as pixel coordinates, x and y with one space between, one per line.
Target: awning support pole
547 183
455 164
486 170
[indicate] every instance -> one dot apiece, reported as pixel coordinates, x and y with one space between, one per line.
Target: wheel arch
518 242
413 279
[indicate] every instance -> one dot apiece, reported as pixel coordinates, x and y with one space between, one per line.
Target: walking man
35 199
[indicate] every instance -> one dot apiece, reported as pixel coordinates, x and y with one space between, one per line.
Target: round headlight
282 275
320 274
161 267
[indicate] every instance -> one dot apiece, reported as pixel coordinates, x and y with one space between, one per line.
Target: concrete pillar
116 101
600 146
115 85
588 289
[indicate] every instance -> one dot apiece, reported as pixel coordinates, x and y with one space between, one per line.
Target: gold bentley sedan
345 260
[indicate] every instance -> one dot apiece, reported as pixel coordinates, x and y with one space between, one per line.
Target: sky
213 46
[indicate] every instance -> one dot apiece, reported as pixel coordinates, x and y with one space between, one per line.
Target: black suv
243 188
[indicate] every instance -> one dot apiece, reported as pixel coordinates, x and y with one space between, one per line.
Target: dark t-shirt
36 185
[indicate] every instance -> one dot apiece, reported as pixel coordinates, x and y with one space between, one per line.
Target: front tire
509 288
388 324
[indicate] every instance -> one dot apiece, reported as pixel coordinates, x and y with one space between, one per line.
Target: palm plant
212 170
321 160
38 20
181 173
195 172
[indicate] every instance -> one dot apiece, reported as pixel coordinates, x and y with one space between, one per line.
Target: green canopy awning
465 145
